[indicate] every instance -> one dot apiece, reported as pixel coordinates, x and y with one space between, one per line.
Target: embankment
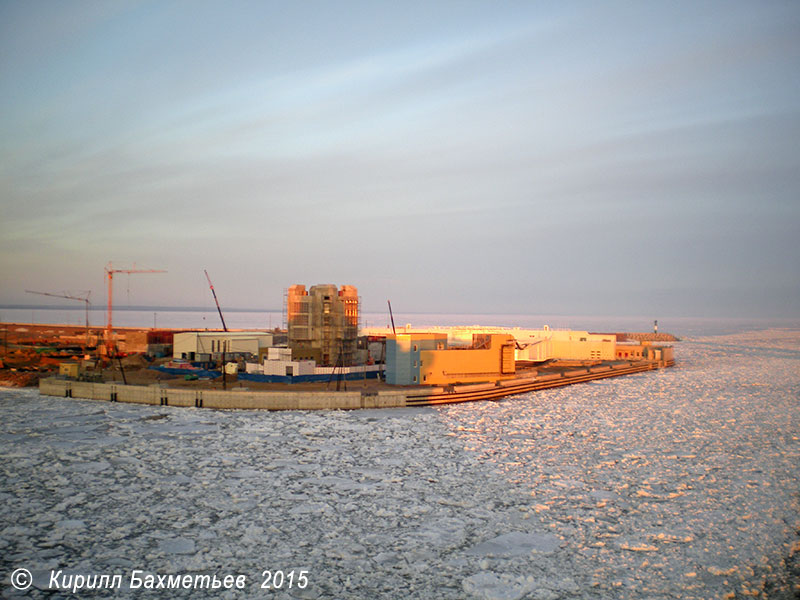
328 400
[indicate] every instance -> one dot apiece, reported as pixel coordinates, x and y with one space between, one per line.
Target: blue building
403 355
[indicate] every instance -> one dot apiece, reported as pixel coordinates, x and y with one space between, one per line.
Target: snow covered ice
681 482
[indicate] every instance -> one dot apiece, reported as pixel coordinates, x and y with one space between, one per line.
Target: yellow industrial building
532 345
439 356
491 357
424 358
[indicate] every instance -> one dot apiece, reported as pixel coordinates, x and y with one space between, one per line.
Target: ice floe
677 483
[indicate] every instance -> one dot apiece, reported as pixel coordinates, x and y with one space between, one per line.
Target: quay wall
512 387
159 396
331 400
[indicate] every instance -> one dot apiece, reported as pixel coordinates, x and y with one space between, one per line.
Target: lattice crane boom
110 270
68 297
219 310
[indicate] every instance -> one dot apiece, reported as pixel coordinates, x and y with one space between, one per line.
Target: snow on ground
677 483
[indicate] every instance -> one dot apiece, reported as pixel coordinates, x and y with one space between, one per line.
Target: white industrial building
278 361
203 345
539 345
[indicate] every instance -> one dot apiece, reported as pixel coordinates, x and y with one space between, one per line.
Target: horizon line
211 309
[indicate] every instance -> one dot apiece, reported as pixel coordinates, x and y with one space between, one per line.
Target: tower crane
110 270
68 297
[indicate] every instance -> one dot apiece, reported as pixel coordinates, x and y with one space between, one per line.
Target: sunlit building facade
322 323
425 359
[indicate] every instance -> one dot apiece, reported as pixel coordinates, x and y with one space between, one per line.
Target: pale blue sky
619 158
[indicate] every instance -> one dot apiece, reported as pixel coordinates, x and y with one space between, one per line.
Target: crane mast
110 270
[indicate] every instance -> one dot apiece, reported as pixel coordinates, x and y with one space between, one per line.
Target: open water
257 319
680 483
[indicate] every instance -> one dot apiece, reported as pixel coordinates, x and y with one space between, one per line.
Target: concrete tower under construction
323 323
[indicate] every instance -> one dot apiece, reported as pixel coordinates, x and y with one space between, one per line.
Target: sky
614 158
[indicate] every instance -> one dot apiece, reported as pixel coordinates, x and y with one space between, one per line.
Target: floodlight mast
110 276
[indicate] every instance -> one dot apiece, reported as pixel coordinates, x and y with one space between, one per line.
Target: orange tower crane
110 276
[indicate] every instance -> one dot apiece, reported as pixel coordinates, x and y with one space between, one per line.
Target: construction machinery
219 310
110 270
83 299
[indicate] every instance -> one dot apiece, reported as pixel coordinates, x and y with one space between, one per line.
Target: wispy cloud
605 149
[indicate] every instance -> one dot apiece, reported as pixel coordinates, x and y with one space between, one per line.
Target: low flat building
581 345
645 351
203 346
278 361
532 345
70 369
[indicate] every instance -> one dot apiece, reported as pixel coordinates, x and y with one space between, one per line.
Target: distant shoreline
103 308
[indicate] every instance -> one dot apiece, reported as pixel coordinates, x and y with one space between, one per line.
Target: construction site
320 348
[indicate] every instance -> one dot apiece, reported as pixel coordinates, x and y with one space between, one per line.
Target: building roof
227 333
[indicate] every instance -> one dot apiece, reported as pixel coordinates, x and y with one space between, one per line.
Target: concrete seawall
159 396
305 400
